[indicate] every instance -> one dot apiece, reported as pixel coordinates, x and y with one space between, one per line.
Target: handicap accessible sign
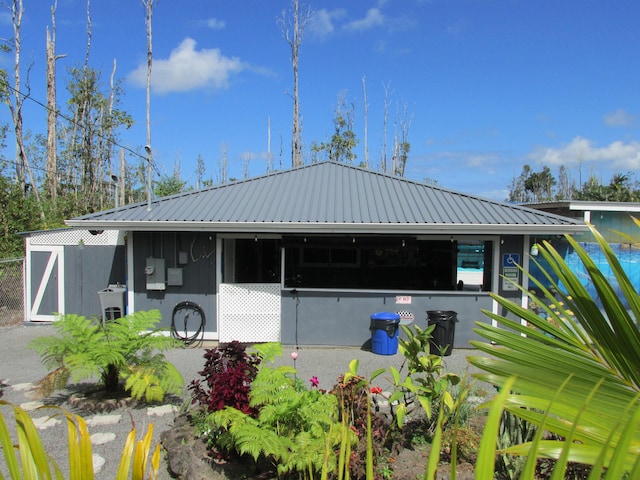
510 271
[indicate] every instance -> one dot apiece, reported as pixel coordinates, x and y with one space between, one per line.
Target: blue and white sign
510 271
511 260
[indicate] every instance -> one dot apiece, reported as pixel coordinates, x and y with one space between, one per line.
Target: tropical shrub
358 411
127 348
32 462
294 429
576 376
425 383
226 378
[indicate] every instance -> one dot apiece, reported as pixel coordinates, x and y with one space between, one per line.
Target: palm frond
577 371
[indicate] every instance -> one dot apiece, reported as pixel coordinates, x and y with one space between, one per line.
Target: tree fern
292 429
124 348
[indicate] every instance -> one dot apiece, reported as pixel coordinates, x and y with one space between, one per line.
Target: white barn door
44 283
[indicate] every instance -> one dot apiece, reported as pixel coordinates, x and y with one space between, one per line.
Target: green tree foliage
542 186
169 185
621 188
18 213
575 373
340 147
127 348
88 141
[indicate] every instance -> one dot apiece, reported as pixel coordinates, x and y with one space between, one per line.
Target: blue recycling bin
384 333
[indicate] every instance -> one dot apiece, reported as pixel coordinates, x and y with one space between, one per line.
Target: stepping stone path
99 424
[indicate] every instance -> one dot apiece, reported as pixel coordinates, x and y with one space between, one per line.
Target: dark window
385 263
257 261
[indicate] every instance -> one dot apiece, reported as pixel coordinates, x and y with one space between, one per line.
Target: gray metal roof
329 197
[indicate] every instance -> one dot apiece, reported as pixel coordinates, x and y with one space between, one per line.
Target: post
147 148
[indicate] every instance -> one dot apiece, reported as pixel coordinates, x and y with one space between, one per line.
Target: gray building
305 256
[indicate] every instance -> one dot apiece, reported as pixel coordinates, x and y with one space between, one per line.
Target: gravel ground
20 367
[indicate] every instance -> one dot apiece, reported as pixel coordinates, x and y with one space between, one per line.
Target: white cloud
215 24
189 69
616 156
322 22
373 18
619 118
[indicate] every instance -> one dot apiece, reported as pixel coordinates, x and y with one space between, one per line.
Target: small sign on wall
403 300
510 271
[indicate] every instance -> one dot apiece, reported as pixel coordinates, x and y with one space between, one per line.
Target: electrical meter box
154 271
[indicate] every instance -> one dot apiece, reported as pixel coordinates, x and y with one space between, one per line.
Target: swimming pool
628 256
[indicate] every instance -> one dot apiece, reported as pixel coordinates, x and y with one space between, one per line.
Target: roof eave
331 228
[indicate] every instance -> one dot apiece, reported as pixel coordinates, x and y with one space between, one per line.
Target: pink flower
294 355
314 381
376 390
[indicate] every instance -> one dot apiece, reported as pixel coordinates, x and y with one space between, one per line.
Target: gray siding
88 270
199 273
340 318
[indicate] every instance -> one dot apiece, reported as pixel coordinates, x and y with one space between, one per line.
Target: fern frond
85 348
252 439
54 380
271 386
267 351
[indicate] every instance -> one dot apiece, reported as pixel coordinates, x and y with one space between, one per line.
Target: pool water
628 256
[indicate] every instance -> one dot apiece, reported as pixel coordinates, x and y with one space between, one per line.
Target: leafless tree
268 144
293 26
52 108
401 145
223 164
15 106
365 112
200 170
385 117
15 103
148 8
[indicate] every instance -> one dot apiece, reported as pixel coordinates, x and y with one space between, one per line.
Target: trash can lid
385 316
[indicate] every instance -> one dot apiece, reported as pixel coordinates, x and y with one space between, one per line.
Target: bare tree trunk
401 141
16 109
223 167
268 144
89 33
107 131
121 178
365 113
246 159
52 110
294 39
148 5
385 117
86 146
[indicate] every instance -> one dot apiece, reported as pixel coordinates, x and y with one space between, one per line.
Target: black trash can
443 334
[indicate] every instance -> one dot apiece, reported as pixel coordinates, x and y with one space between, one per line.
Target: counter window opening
398 263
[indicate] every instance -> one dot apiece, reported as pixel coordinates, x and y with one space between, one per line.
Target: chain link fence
11 292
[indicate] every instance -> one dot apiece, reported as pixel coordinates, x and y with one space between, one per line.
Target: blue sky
489 84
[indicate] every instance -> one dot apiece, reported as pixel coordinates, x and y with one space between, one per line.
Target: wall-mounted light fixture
534 249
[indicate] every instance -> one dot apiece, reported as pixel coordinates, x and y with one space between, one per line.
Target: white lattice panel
70 236
249 312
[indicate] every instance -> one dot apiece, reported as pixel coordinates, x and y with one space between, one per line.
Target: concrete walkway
20 367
